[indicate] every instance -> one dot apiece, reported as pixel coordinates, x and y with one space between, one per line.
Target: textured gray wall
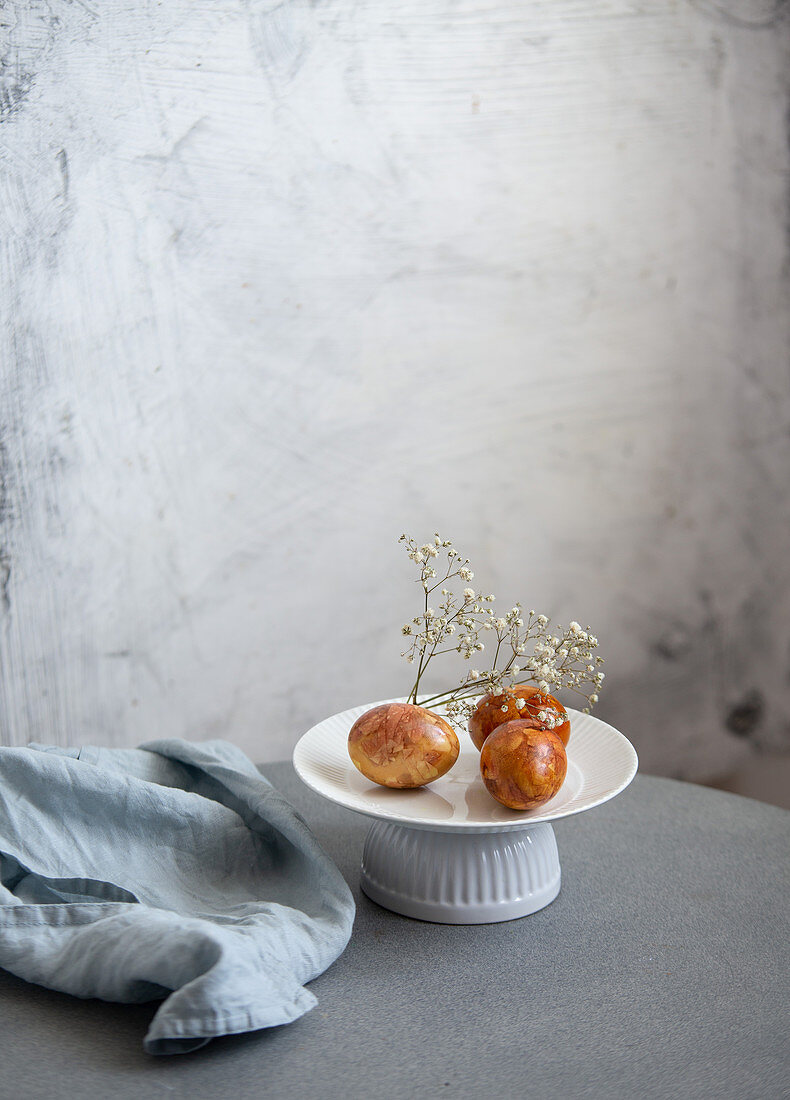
281 280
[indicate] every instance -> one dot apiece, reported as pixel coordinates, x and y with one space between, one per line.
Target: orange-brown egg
521 766
494 710
402 745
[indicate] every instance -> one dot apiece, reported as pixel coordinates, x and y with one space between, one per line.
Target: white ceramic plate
601 763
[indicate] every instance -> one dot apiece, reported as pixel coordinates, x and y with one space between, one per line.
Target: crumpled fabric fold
174 871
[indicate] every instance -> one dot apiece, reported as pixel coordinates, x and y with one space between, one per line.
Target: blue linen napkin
171 871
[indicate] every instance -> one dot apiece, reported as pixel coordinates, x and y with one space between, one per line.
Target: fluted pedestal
461 877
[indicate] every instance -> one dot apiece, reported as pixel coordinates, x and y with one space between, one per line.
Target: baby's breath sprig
432 630
524 647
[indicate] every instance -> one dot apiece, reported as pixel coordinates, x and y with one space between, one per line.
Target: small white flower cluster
567 660
435 627
523 646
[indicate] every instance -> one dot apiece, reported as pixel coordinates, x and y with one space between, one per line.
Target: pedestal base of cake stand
459 876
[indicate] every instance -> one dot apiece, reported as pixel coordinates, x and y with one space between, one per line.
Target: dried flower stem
564 660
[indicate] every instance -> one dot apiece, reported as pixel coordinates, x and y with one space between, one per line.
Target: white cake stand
449 852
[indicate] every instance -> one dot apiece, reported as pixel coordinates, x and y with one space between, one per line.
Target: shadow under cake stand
449 852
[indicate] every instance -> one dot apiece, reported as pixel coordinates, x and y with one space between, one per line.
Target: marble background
281 280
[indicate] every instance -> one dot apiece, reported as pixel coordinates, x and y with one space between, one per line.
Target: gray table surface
659 971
